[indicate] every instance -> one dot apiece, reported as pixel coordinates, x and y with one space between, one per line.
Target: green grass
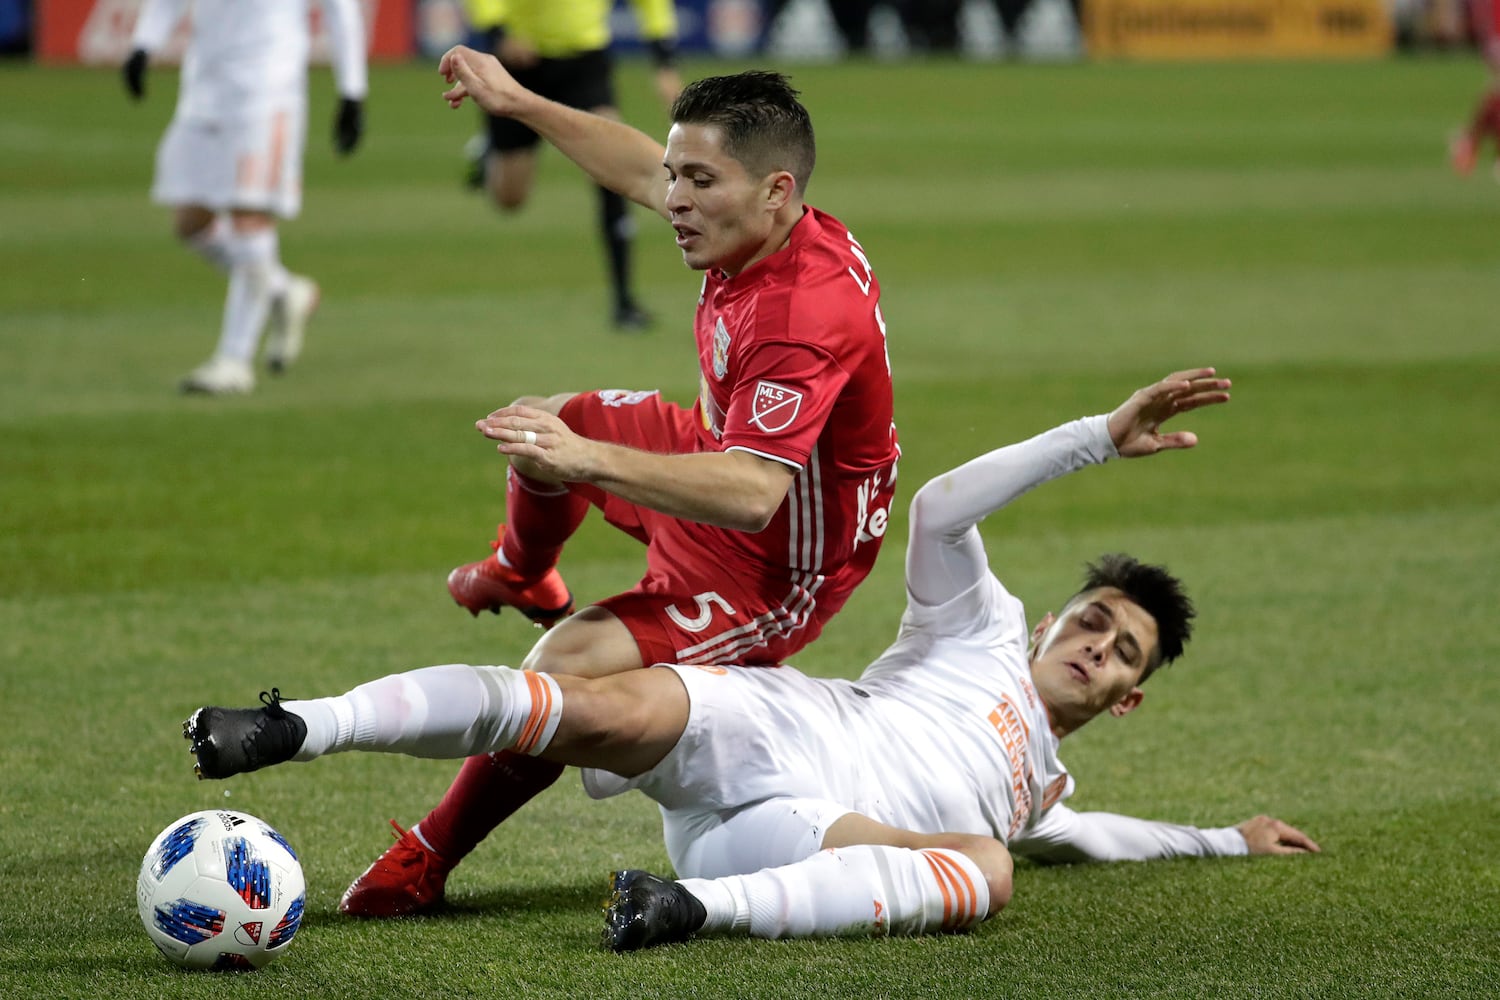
1048 239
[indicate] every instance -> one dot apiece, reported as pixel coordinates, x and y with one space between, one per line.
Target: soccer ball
220 890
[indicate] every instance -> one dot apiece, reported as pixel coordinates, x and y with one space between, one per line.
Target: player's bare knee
583 646
507 196
189 221
560 661
995 862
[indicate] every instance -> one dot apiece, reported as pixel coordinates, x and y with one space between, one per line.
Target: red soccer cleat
487 586
406 880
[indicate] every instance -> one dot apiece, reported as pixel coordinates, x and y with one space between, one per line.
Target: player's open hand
479 77
542 439
1269 835
1135 426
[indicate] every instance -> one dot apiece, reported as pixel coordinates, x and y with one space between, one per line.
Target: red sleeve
782 400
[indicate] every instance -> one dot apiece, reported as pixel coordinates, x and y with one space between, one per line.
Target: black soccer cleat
230 741
644 911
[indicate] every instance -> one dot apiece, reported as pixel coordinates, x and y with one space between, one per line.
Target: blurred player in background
230 164
761 508
560 50
795 806
1463 151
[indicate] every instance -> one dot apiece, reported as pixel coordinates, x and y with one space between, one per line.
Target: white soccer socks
449 711
255 278
864 890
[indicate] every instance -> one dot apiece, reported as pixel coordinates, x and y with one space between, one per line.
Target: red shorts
700 601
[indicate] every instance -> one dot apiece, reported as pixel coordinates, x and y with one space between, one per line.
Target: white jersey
247 58
943 733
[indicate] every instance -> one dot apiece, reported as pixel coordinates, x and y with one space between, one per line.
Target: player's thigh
627 722
639 418
634 418
768 834
251 162
591 643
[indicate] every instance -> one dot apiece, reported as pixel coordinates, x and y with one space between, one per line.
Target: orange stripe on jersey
541 708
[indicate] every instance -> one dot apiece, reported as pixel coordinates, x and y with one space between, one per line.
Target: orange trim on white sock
546 713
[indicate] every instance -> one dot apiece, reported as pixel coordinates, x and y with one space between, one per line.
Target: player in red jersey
1463 151
761 508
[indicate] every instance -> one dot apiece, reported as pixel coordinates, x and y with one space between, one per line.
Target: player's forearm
616 156
960 498
732 490
944 556
1100 836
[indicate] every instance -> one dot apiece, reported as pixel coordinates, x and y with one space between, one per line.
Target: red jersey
794 368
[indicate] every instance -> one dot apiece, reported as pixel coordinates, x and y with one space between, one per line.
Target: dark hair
762 123
1159 594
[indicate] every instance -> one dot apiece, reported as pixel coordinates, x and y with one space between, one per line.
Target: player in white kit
230 163
795 806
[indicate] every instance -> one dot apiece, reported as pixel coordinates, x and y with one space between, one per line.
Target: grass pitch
1048 238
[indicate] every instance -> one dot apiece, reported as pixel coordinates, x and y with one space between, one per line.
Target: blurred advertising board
1232 29
97 32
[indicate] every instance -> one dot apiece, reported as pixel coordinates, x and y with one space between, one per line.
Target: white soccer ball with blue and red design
221 890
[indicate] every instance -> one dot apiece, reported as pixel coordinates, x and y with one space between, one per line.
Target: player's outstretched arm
153 23
1064 836
619 157
945 555
346 34
1269 835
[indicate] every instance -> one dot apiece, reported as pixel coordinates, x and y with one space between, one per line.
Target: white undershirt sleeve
154 23
346 42
945 555
1064 836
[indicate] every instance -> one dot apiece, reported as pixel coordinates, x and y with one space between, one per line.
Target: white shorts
759 774
251 162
